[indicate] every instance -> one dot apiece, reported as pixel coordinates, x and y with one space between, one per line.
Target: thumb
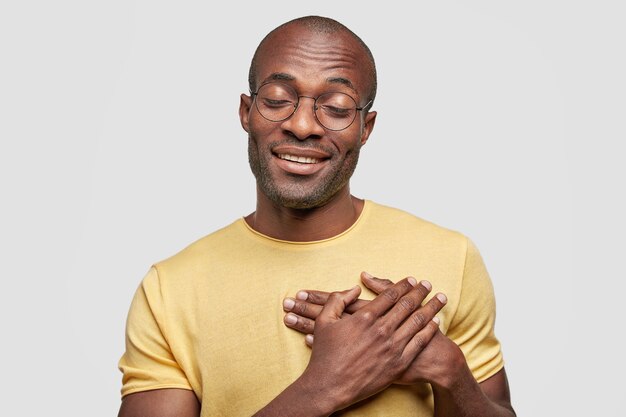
377 285
336 304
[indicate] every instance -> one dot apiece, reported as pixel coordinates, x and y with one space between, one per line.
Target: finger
302 308
407 304
300 324
356 306
421 318
375 284
420 340
308 339
337 303
321 297
313 296
388 298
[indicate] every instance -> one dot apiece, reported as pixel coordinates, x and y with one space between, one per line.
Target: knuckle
383 331
301 308
313 297
308 326
419 342
368 316
334 296
423 291
408 303
435 306
391 294
418 320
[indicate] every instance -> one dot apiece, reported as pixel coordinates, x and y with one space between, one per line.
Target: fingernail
309 339
291 319
436 320
288 304
302 295
412 281
442 298
367 275
426 285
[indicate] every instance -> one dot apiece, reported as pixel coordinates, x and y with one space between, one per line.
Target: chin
302 194
296 192
299 202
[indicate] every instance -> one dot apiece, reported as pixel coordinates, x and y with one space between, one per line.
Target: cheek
259 125
347 144
263 133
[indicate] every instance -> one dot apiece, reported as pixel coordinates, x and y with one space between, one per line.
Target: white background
120 144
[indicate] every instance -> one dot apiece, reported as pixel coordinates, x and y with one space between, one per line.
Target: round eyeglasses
277 102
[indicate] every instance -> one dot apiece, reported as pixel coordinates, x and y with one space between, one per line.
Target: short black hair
319 24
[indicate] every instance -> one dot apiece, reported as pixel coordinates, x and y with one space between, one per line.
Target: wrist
307 396
454 373
316 394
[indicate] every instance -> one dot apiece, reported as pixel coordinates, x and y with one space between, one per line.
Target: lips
300 161
300 155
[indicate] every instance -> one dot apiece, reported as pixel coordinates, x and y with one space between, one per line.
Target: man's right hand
431 365
356 356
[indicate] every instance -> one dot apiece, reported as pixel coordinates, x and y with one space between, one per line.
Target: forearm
462 396
300 399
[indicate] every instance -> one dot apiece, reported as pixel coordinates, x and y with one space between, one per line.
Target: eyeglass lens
277 102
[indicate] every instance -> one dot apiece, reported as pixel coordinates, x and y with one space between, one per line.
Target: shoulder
404 224
193 259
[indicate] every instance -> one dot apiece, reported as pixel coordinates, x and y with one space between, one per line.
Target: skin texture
359 355
301 132
160 403
318 205
358 348
441 363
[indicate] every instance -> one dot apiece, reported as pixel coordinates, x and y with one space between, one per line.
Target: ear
245 106
368 126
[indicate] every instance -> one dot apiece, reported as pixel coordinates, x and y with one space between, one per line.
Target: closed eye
338 112
276 103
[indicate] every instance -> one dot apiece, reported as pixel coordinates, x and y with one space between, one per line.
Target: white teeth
300 159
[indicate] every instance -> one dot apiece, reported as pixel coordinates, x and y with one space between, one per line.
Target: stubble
300 191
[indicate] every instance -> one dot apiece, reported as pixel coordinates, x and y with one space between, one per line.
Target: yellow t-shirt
210 318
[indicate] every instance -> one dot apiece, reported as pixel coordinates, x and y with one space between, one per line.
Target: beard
301 191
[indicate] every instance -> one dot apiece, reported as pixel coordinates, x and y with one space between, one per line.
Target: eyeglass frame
315 108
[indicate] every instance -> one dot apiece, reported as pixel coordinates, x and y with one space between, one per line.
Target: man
205 333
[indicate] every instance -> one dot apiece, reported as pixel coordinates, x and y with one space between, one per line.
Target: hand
308 304
360 354
435 364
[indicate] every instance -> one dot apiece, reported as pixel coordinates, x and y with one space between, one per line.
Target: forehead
314 59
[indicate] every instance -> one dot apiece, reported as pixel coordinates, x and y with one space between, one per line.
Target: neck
305 225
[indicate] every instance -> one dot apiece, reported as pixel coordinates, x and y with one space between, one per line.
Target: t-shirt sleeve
148 362
472 326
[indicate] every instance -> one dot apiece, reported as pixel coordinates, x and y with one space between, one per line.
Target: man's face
297 162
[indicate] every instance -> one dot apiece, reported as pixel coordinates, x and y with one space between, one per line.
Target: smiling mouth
299 159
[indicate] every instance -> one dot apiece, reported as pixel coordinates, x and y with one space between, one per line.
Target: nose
303 124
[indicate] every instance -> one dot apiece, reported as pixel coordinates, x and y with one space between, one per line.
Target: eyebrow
282 76
340 80
279 76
